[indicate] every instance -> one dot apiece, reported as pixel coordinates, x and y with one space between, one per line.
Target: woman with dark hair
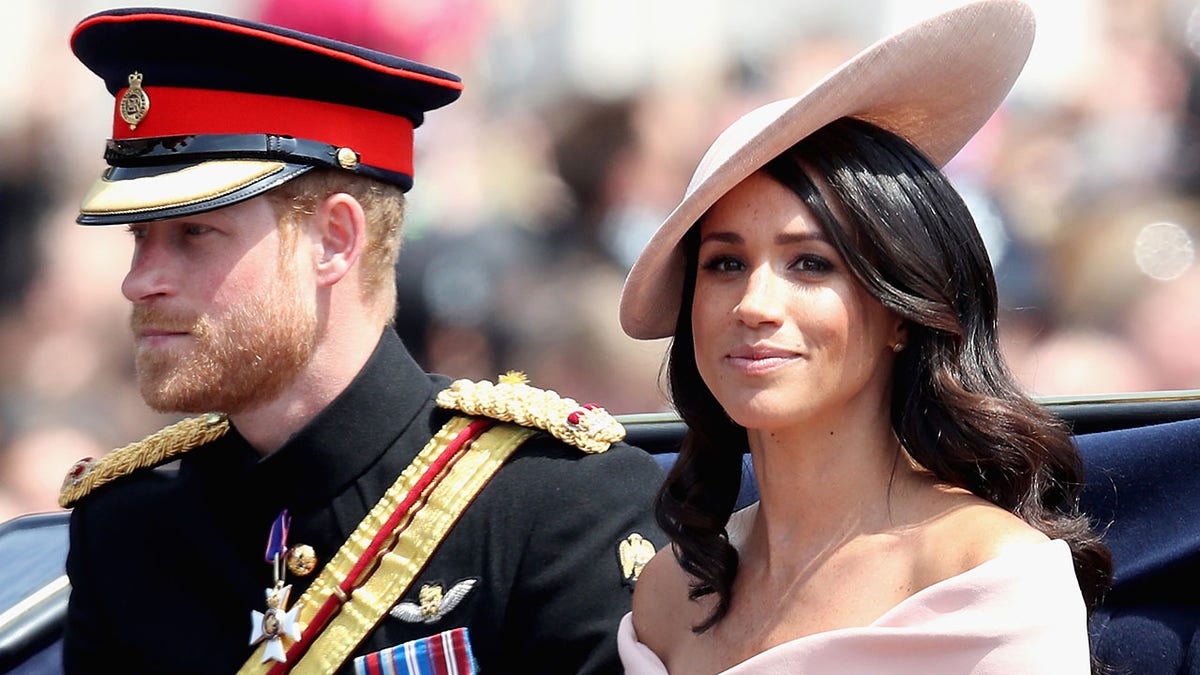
834 314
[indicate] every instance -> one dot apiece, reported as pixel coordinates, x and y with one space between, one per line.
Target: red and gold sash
393 543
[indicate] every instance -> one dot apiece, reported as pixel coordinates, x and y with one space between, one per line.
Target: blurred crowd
577 132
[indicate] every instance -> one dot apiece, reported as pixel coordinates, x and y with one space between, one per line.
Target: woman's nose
760 301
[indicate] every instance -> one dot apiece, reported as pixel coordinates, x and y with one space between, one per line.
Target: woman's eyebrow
781 238
800 237
722 237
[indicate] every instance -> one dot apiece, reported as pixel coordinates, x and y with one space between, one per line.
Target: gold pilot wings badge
433 603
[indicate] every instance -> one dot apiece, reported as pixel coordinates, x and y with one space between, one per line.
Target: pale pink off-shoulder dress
1020 613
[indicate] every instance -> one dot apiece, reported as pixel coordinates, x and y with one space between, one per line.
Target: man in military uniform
341 510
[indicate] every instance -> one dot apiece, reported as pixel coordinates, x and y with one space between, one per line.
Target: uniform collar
350 435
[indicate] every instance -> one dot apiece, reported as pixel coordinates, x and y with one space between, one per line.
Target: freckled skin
783 330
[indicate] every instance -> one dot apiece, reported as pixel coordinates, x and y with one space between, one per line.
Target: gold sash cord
393 543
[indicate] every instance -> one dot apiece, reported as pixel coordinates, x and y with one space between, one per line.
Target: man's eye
137 231
196 230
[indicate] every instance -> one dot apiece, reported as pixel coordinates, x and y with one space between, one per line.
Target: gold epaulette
166 444
587 427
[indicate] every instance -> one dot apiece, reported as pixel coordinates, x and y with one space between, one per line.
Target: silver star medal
275 624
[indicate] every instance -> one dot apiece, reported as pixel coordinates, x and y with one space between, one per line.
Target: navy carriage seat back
1143 485
1143 493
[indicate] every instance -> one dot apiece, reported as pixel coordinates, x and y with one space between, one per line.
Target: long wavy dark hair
955 407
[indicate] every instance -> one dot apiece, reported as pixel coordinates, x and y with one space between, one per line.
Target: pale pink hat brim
934 84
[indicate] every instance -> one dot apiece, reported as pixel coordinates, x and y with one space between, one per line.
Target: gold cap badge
135 103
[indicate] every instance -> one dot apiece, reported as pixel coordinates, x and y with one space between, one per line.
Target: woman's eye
812 263
137 231
723 263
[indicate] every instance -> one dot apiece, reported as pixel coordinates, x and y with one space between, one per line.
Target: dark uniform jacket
166 565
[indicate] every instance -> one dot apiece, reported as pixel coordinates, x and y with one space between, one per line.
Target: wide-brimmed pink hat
934 85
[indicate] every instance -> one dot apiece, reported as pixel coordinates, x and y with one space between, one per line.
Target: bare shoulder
660 604
969 531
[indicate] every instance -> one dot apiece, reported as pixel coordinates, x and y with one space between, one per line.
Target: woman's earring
898 347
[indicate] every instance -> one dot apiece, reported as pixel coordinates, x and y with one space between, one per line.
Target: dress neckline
982 571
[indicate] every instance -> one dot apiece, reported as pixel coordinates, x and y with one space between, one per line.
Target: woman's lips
759 359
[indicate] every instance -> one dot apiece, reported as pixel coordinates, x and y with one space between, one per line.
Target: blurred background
579 127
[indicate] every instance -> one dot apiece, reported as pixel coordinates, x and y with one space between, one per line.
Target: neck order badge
277 622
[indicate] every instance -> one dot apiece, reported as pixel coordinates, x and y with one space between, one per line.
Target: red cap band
381 140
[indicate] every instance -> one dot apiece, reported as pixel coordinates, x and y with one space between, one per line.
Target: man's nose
149 271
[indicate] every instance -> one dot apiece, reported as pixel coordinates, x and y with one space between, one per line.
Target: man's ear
341 228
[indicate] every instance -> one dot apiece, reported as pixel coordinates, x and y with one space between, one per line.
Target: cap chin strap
173 176
162 151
